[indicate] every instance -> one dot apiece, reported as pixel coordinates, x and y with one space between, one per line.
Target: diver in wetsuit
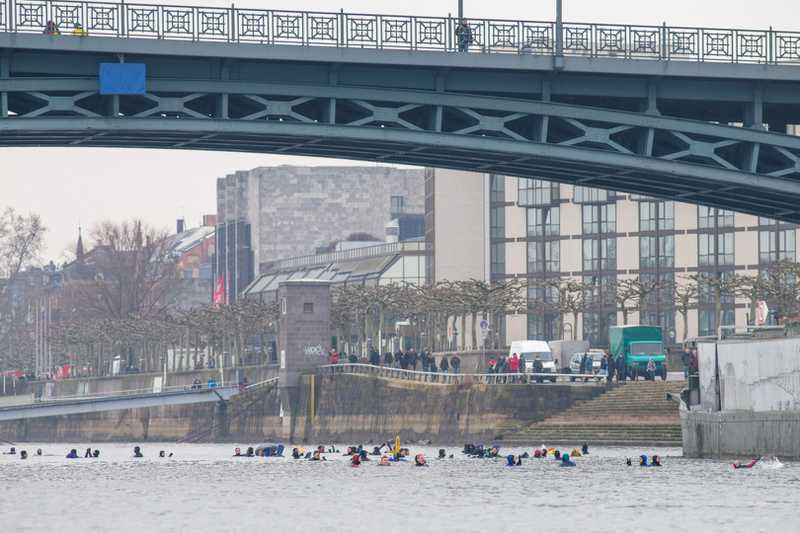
751 464
565 460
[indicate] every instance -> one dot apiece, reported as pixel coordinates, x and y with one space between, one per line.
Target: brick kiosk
303 339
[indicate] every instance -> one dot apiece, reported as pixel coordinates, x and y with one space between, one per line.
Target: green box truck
638 345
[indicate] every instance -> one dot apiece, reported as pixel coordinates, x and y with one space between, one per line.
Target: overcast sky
73 186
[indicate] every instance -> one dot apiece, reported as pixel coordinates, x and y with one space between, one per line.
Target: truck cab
639 345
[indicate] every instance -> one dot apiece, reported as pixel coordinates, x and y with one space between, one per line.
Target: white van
532 349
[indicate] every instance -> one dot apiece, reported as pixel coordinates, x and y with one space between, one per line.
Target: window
497 188
398 205
543 327
706 216
595 326
308 308
543 221
544 256
776 246
588 195
657 251
599 218
600 291
497 259
497 222
715 249
656 216
706 320
599 254
539 296
537 192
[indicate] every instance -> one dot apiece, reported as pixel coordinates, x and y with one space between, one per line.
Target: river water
202 488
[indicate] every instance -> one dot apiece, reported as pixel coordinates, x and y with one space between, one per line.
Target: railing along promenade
449 378
400 32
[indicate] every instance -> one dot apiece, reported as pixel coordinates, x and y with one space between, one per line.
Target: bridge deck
76 406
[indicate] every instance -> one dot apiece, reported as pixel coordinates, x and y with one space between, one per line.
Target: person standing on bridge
444 366
51 28
463 36
333 357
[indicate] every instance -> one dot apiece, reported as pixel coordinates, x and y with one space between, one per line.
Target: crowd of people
403 359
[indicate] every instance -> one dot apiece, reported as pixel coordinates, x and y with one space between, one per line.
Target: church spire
79 253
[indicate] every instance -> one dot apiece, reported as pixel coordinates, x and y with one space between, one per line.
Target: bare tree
135 273
685 297
21 241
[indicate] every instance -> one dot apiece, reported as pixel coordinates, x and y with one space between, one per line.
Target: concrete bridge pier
303 343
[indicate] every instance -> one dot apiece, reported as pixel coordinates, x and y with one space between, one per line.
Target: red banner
219 292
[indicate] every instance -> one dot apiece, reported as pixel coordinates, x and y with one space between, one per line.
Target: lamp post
559 49
460 10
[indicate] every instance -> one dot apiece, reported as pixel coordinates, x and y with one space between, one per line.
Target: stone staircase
633 413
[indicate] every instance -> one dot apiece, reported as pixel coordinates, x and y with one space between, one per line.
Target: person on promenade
463 36
425 360
455 364
412 359
333 357
374 357
621 371
537 368
444 364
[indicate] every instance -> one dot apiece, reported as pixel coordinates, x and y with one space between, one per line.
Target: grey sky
74 186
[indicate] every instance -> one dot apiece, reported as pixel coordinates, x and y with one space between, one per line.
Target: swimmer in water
585 449
419 460
385 461
643 460
512 460
317 456
442 453
738 464
655 461
96 454
88 453
237 452
137 452
73 454
39 452
565 460
11 451
355 460
23 454
628 461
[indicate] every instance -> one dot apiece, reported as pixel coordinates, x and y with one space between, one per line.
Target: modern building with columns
496 227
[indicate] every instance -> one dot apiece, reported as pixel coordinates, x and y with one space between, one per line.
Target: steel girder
743 169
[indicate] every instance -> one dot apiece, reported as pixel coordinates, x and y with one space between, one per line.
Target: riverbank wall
749 400
340 408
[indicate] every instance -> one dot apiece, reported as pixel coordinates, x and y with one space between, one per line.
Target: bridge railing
402 32
449 378
133 392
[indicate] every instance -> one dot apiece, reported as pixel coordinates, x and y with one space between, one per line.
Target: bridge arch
640 153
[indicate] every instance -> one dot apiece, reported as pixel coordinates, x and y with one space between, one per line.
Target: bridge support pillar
303 342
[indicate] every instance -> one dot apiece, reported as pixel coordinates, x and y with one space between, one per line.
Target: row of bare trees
230 335
365 315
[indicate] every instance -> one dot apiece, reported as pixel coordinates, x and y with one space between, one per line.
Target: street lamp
559 29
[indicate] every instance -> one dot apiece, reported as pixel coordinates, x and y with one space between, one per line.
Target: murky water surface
202 488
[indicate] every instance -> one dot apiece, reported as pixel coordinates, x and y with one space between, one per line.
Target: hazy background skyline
83 186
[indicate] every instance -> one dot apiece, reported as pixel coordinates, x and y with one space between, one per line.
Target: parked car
575 362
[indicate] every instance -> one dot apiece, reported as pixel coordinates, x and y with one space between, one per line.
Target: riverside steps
634 413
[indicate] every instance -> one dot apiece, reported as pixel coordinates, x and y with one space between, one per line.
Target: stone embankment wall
342 408
741 434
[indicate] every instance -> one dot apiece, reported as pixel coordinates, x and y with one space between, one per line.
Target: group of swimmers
654 461
88 454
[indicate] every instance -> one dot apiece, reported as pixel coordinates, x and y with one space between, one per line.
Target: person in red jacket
513 364
333 357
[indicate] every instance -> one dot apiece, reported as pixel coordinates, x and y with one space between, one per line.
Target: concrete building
272 213
496 227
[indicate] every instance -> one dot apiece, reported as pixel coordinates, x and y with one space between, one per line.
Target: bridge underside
626 133
723 188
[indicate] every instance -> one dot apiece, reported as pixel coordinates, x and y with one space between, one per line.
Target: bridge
689 114
124 400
